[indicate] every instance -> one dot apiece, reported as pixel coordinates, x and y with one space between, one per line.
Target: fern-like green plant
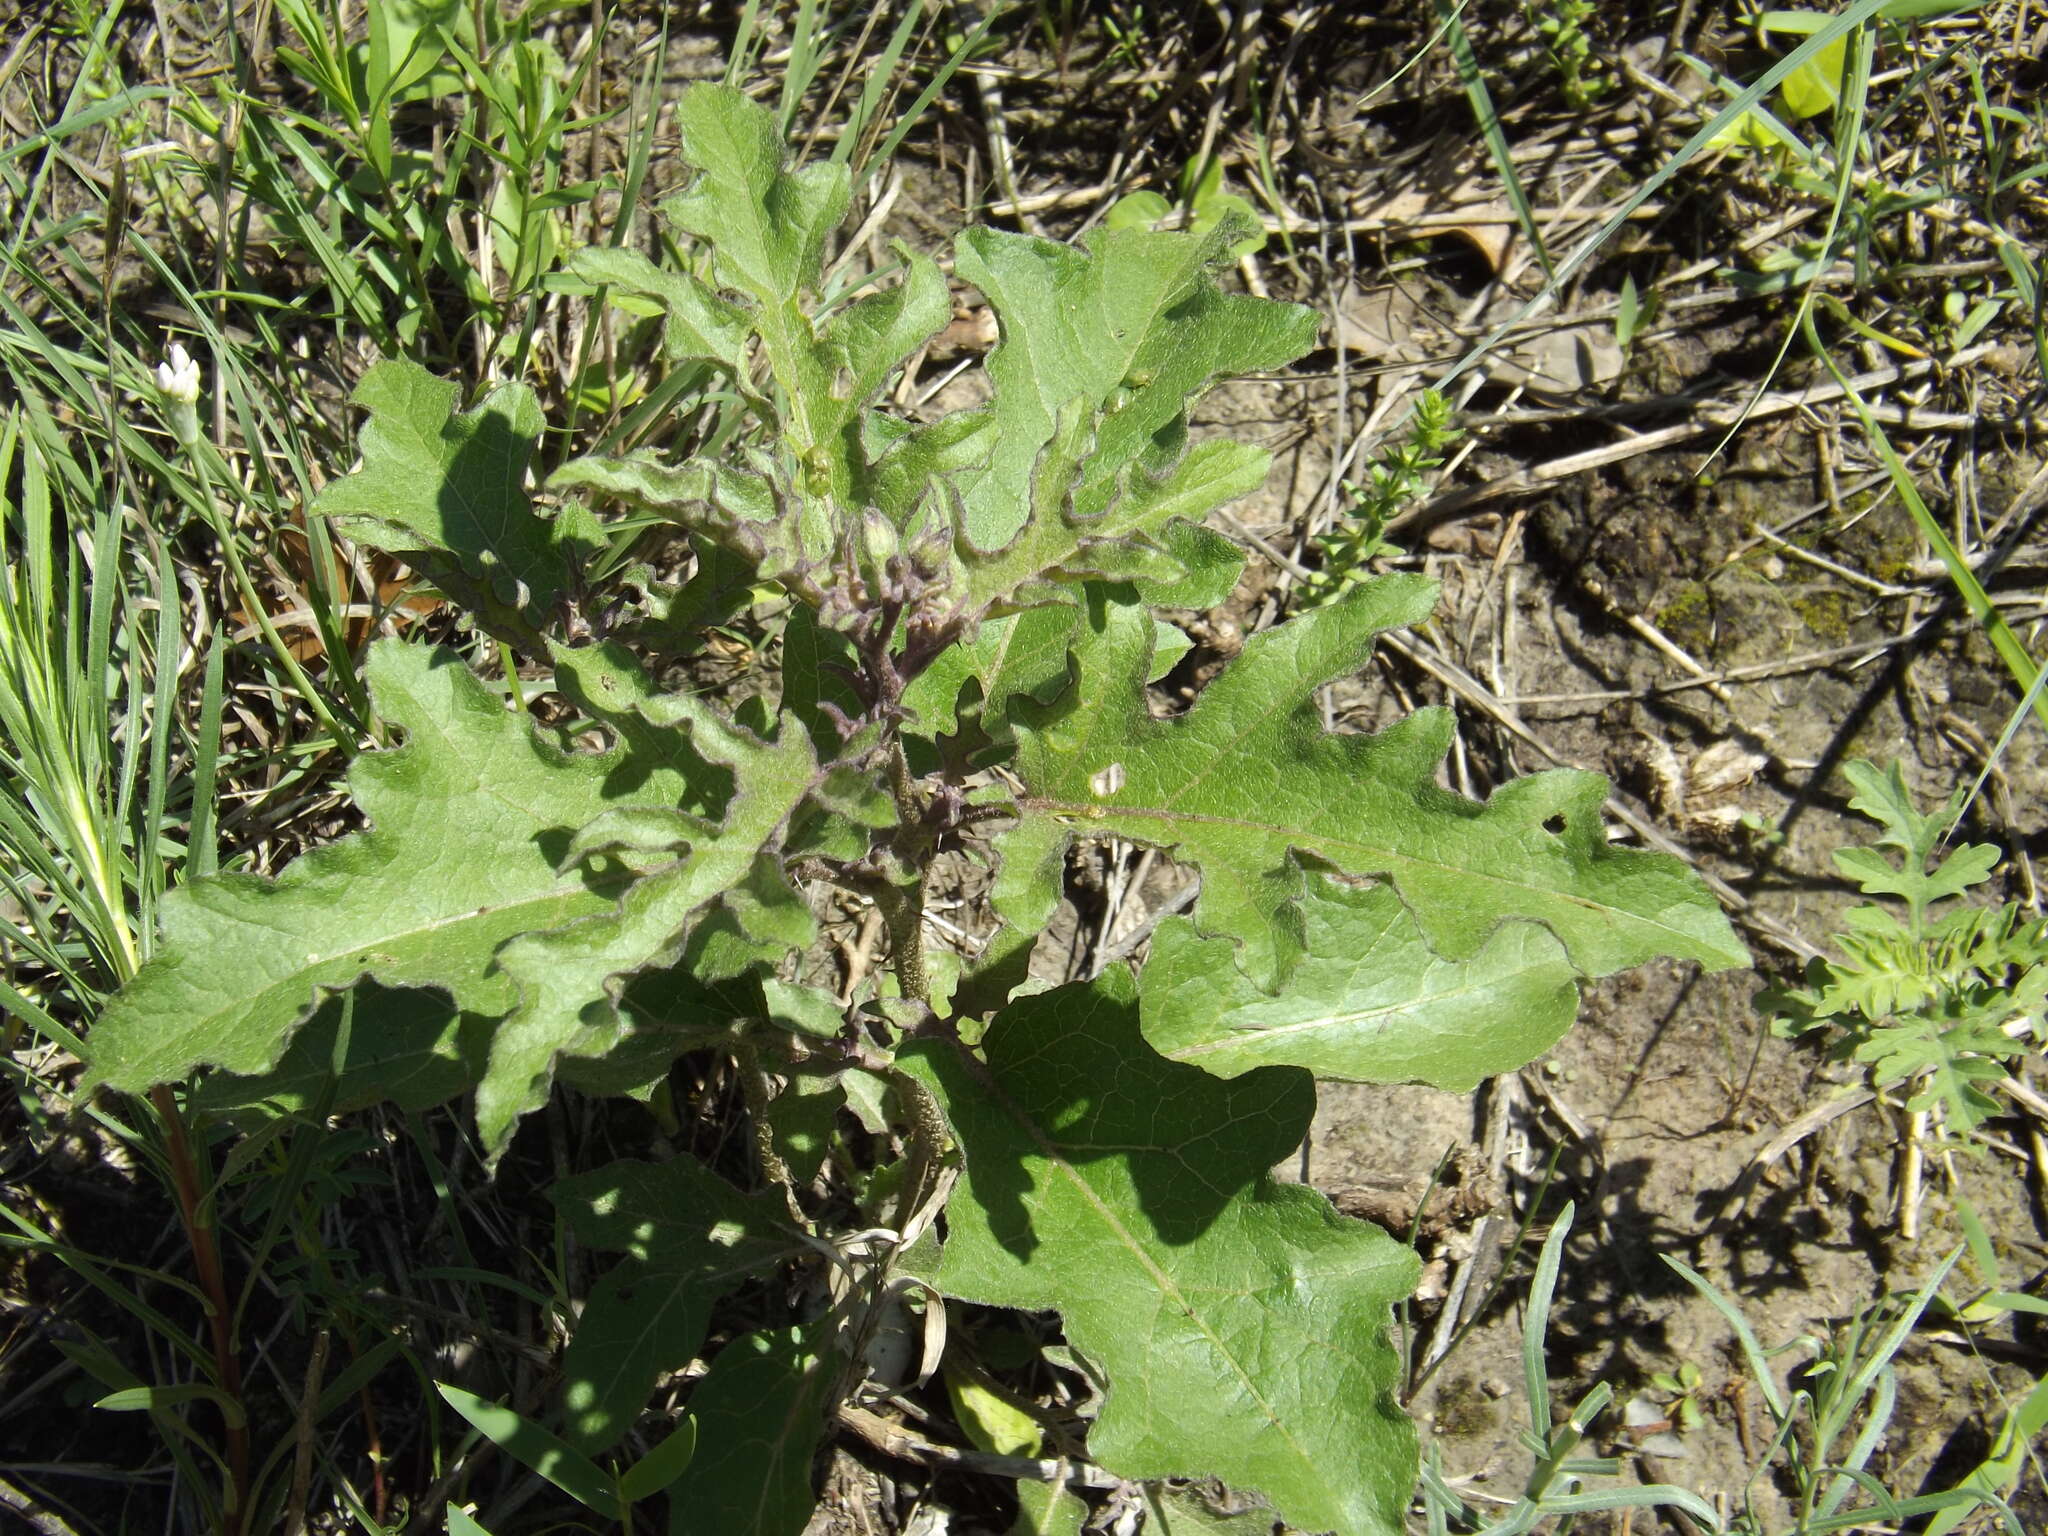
1940 1001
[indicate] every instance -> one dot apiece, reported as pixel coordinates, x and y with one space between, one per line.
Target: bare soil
1657 1105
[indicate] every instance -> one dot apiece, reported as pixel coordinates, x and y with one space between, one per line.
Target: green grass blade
534 1447
1451 22
1752 1352
662 1465
149 865
202 854
1855 16
2018 663
18 1005
881 77
941 77
1535 1372
115 106
802 68
94 1273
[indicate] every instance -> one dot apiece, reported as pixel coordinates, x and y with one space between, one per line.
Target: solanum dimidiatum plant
972 622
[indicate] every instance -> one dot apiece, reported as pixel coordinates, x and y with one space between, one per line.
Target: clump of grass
1827 1426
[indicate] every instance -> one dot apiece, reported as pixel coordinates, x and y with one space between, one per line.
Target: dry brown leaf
301 636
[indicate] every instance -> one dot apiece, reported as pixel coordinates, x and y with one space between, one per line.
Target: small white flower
178 377
177 386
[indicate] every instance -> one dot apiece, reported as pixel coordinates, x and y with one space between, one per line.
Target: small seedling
1394 481
1562 26
1206 204
1681 1393
1634 312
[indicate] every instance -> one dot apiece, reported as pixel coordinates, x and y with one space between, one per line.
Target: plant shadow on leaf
1075 1107
471 820
1242 1323
609 683
445 491
406 1046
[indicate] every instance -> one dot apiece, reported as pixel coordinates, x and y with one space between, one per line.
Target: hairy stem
902 908
903 905
909 807
186 1176
754 1087
928 1133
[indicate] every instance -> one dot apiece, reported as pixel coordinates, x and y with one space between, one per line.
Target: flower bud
879 542
177 388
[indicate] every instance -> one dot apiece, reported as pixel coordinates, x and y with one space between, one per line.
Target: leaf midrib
1162 1278
1103 816
1246 1036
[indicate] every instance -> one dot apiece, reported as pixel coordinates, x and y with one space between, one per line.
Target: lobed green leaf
697 325
1132 327
1251 788
748 509
570 978
1368 1002
1079 469
1242 1323
470 820
446 492
767 226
